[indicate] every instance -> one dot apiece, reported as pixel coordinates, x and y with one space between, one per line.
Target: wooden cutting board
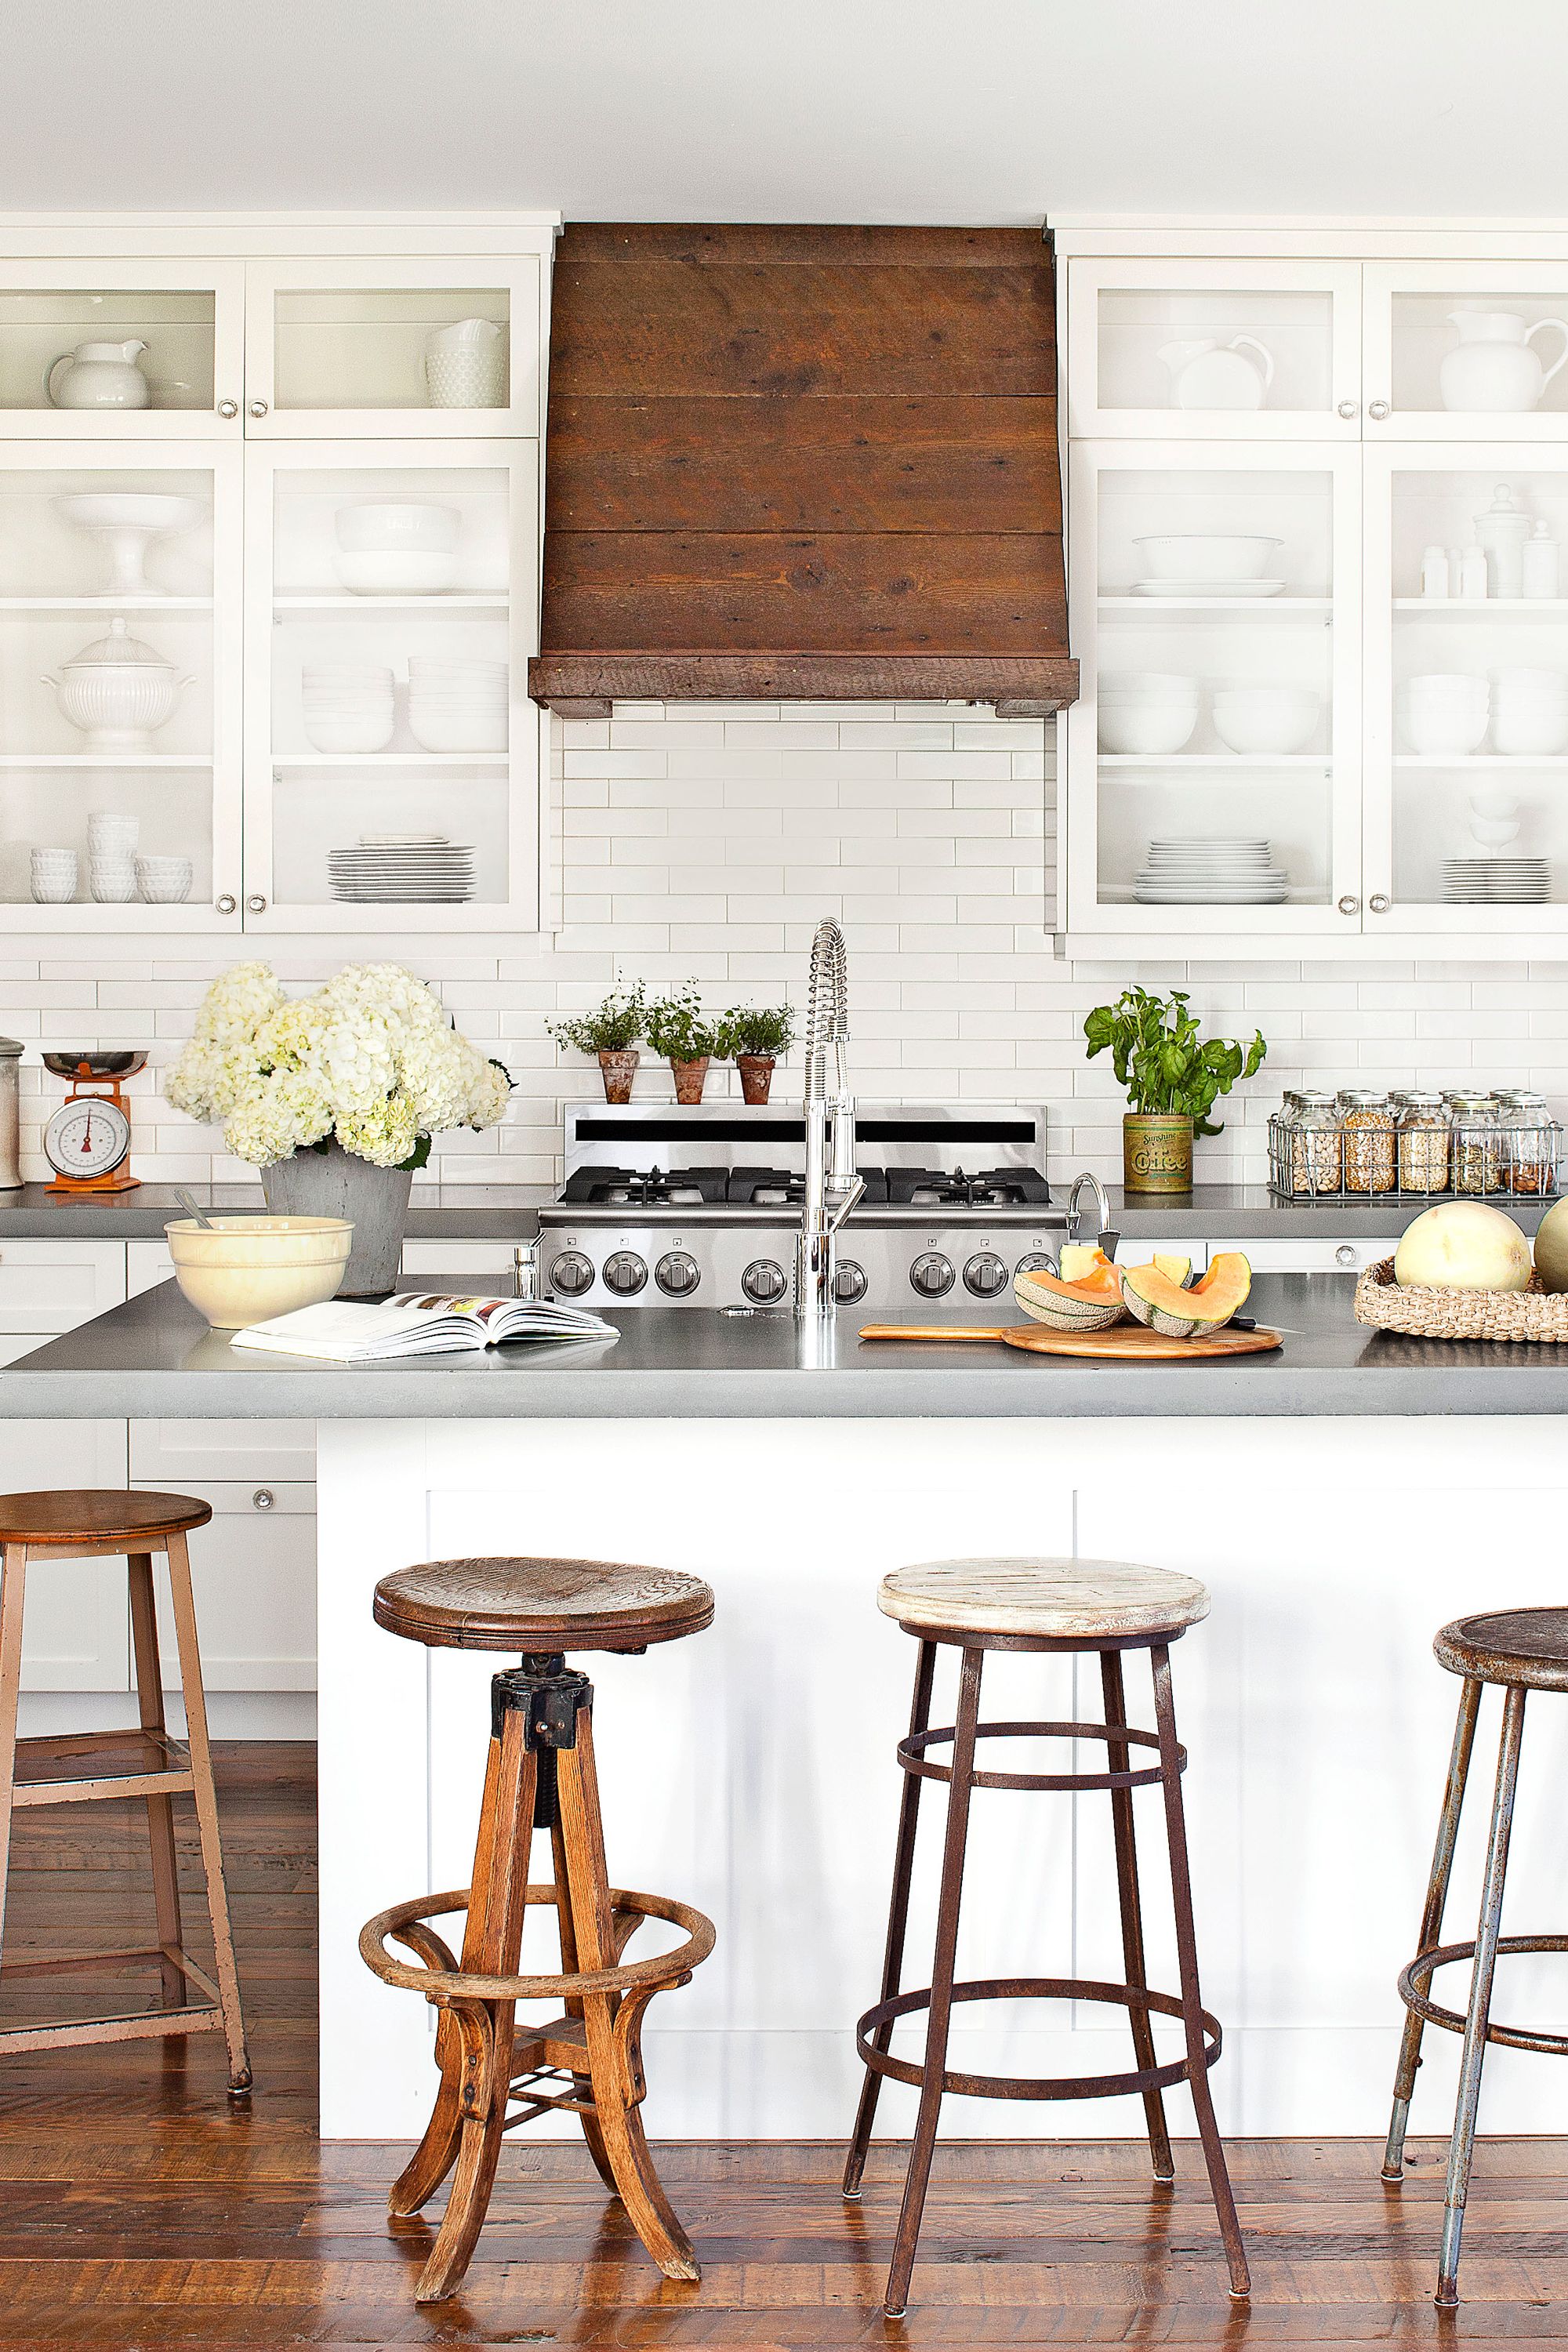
1124 1343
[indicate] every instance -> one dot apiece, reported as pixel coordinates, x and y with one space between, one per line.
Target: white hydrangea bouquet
372 1058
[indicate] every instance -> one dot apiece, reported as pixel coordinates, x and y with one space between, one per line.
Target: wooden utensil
1124 1343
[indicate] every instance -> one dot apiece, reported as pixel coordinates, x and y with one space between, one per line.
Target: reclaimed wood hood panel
807 464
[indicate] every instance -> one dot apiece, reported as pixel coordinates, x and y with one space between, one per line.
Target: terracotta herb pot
690 1078
1156 1152
756 1075
619 1067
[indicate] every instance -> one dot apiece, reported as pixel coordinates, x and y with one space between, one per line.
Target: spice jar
1423 1132
1531 1139
1367 1125
1476 1145
1313 1132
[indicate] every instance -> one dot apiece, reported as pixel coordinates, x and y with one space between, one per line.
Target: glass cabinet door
1467 350
1213 759
120 688
149 350
357 348
392 775
1467 694
1214 350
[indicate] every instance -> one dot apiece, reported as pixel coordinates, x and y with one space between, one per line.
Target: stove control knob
1035 1262
624 1274
762 1282
931 1275
572 1273
848 1282
986 1274
677 1274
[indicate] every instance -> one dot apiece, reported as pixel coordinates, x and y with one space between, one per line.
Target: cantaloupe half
1092 1303
1176 1314
1178 1270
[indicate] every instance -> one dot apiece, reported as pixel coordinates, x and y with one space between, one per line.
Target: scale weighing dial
87 1136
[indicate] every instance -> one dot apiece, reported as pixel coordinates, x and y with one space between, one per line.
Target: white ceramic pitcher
1493 366
1209 375
98 376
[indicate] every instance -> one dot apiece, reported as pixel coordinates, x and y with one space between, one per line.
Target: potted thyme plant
676 1029
611 1030
1172 1081
753 1036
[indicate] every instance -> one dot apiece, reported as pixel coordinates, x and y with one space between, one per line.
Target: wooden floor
138 2211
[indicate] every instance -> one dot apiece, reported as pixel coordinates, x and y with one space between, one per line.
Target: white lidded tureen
117 690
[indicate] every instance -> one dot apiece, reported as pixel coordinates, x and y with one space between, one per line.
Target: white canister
10 1117
1539 562
465 366
1503 532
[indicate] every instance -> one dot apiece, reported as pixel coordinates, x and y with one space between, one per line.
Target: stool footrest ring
1415 1991
1013 2086
655 1975
913 1758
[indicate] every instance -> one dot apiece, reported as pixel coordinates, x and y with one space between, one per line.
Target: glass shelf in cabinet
1471 608
1218 762
1153 608
1480 759
396 760
106 759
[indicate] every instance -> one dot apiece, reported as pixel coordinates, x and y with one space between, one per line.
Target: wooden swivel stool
540 1775
36 1529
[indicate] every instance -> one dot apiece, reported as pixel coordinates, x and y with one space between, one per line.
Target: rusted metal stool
1039 1605
1522 1650
540 1775
80 1524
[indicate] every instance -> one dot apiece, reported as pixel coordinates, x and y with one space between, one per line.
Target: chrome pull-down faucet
832 1183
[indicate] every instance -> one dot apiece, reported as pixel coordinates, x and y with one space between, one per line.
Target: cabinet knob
1347 409
256 903
1350 906
228 408
1378 902
1377 410
227 904
1345 1255
258 408
263 1499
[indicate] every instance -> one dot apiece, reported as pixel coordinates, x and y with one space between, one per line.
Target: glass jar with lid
1476 1144
1315 1149
1531 1142
1423 1130
1366 1124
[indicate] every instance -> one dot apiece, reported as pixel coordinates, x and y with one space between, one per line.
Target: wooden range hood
802 464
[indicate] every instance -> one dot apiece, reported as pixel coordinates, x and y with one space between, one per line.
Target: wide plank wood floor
138 2212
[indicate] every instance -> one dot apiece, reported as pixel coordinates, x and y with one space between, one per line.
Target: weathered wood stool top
1048 1599
98 1515
1525 1647
541 1605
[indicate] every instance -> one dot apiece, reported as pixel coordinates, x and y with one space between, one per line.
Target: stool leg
483 2030
1132 1914
184 1614
1186 1948
582 2083
613 2061
898 1924
939 2016
13 1587
1478 2014
160 1809
1432 1920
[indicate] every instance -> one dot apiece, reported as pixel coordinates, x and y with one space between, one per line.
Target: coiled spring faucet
832 1184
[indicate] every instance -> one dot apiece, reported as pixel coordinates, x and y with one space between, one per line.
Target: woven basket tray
1427 1313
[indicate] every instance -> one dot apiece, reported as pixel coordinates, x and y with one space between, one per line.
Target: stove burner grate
995 1188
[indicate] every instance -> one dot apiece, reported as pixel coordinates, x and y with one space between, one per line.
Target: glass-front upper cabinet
408 348
120 688
1228 351
150 350
1212 758
1466 691
1467 350
392 768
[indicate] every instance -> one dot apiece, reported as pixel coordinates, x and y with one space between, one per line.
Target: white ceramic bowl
54 876
248 1268
111 836
1265 719
348 731
1150 729
1447 734
384 572
1538 731
118 704
457 729
1529 684
112 880
1206 555
1146 686
163 881
429 530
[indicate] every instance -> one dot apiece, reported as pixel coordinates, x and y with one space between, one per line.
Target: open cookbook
418 1323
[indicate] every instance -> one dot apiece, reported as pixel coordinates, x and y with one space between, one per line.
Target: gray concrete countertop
155 1357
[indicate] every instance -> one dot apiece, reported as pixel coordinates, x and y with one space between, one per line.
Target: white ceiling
788 110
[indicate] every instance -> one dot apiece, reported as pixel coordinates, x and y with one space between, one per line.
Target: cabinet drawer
487 1262
189 1453
253 1567
1306 1254
51 1287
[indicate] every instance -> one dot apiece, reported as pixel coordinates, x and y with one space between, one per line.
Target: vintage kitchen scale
86 1140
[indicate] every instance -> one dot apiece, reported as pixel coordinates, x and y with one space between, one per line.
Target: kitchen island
1340 1499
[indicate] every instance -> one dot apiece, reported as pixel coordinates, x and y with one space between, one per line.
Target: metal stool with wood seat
39 1528
1039 1605
1522 1650
540 1775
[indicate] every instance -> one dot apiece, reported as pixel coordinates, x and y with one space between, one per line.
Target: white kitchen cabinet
253 1569
1412 310
189 314
490 1263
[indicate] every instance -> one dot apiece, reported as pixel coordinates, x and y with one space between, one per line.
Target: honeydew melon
1163 1305
1464 1246
1552 1248
1090 1304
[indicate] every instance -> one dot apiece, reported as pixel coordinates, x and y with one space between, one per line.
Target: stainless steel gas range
700 1207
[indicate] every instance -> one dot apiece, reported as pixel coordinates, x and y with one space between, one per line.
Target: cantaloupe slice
1080 1260
1178 1270
1176 1314
1093 1303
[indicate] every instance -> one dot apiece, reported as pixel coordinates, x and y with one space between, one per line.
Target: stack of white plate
1210 870
348 706
401 865
457 706
1497 881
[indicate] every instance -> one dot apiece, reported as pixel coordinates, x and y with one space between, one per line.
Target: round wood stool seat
1527 1648
97 1515
541 1606
1040 1600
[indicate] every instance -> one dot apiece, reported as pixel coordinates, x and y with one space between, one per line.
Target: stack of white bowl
1530 713
348 706
1269 720
163 881
456 705
1146 712
111 840
1445 713
53 875
397 549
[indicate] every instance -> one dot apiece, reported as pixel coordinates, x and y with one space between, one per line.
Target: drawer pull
264 1499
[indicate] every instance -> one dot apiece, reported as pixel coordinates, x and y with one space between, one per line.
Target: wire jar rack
1361 1144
